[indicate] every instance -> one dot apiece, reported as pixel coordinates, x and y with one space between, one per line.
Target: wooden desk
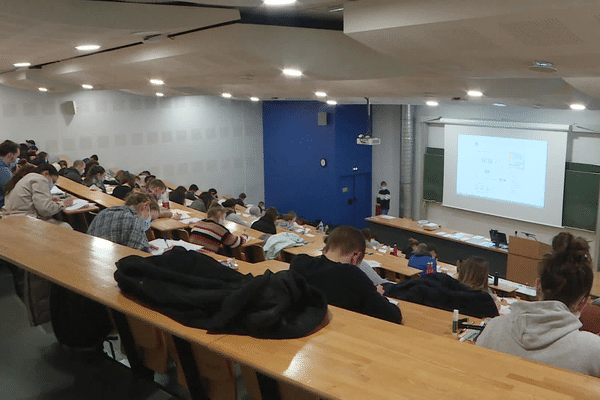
399 230
83 192
596 286
353 357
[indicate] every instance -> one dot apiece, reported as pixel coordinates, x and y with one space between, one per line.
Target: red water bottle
429 268
395 251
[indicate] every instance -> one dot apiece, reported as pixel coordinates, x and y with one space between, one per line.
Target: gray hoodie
546 332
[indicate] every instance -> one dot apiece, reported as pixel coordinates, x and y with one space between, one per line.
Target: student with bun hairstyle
547 331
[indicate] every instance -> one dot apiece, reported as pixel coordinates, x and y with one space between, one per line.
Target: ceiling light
226 95
331 102
157 82
292 72
278 2
42 89
474 93
22 64
254 98
499 105
320 94
431 103
88 47
85 86
336 8
577 107
159 94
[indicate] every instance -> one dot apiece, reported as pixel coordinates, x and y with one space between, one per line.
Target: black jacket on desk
345 286
446 293
265 225
198 291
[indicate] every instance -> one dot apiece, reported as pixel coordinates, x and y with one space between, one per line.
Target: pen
166 243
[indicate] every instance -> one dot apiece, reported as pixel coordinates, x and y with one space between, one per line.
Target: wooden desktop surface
353 357
408 224
83 192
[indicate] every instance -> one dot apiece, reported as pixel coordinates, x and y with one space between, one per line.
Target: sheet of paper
309 235
188 221
55 191
387 216
162 246
373 263
77 204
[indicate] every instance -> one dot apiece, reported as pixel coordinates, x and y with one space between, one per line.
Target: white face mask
51 183
146 223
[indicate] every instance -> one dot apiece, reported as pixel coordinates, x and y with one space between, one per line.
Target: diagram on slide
502 169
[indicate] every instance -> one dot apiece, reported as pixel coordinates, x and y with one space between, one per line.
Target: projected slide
512 170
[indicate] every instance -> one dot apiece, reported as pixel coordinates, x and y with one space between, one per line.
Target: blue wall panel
294 144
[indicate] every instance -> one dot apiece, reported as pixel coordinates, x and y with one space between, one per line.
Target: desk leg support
138 368
190 369
269 388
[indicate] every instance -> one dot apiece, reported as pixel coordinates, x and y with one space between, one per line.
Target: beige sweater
31 196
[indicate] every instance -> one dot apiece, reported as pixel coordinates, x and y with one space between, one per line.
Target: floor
34 367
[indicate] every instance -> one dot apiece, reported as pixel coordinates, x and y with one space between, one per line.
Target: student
547 331
178 195
474 272
9 152
127 184
28 192
412 246
203 202
94 177
266 224
191 193
254 211
421 259
213 193
126 225
74 172
433 251
261 205
383 198
231 215
336 274
288 222
41 158
157 189
369 241
240 200
213 235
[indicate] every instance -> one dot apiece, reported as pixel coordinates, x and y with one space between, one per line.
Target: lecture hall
308 107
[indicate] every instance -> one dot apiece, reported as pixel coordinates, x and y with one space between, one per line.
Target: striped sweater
213 235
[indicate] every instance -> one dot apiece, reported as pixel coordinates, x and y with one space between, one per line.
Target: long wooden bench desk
399 230
353 357
83 192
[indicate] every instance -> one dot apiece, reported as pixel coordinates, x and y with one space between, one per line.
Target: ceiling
392 51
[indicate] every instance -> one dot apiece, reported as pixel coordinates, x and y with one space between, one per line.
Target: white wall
210 141
386 156
582 148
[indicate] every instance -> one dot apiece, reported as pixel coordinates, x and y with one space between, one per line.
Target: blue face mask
146 222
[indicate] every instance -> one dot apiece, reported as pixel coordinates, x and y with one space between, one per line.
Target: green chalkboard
580 205
433 176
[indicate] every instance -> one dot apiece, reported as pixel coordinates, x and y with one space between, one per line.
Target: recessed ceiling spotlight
86 86
320 94
542 66
577 106
278 2
88 47
474 93
431 103
159 94
42 89
157 82
292 72
331 102
254 99
226 95
22 64
499 105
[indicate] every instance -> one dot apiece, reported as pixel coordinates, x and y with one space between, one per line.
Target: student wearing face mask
383 198
9 152
74 172
127 225
28 192
212 234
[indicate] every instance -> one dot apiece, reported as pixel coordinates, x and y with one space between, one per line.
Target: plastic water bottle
395 251
165 201
320 228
